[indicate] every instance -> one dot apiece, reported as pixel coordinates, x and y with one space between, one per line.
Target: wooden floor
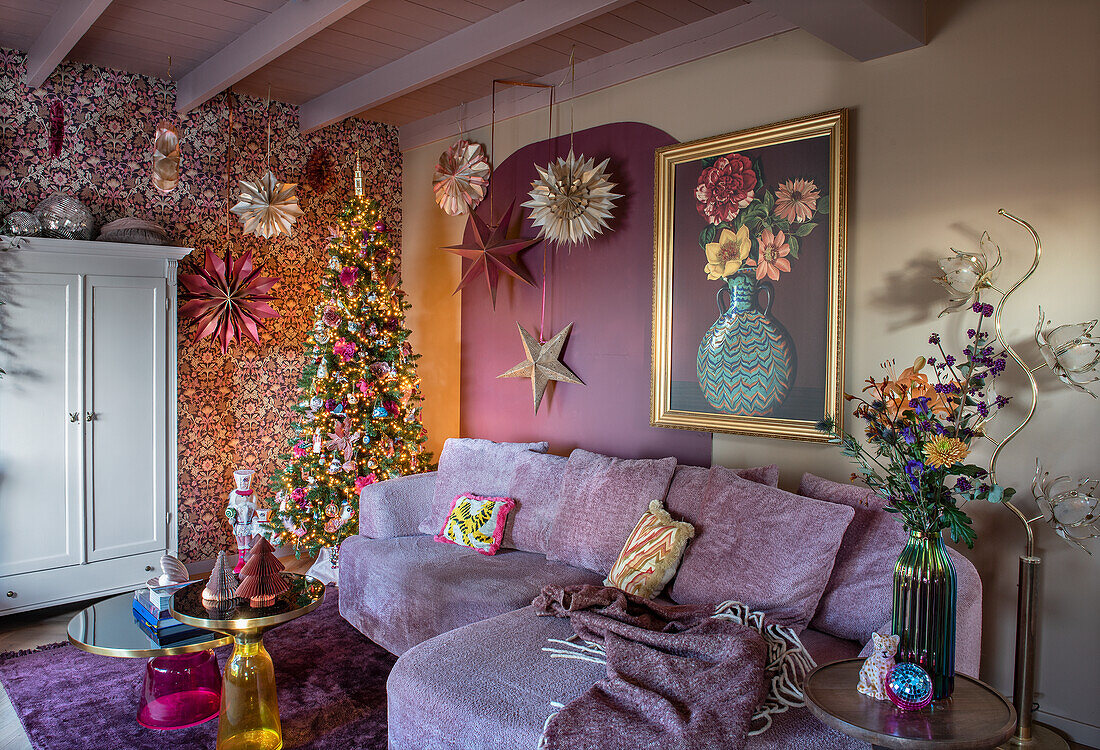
29 630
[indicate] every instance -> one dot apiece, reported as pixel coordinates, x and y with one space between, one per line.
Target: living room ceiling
422 62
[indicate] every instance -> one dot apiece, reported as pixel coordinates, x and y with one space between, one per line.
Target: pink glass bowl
180 691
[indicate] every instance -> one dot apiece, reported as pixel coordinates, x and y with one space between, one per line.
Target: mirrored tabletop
304 595
109 628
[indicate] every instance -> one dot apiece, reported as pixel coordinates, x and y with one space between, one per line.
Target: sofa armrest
968 617
395 507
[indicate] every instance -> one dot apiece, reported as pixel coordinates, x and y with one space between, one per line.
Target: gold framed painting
748 297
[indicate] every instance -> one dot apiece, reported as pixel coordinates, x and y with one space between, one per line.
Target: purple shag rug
331 685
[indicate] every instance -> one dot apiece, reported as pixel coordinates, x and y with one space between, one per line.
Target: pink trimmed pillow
476 522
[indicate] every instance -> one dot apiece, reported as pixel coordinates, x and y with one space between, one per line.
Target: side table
249 710
975 717
181 687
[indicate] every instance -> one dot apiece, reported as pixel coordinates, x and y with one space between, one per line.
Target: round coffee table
975 717
182 681
249 710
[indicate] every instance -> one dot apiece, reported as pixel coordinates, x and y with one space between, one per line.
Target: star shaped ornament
542 364
492 253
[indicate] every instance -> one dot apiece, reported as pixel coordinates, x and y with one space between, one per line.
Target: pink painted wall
604 289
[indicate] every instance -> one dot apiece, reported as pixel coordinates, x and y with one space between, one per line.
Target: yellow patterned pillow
651 554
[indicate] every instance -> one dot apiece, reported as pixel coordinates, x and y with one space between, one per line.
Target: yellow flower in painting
945 451
726 256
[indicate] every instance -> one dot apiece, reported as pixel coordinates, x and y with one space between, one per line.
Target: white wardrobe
87 418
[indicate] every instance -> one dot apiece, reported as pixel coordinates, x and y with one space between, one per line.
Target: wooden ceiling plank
279 32
501 32
601 40
620 27
682 11
864 29
741 25
61 34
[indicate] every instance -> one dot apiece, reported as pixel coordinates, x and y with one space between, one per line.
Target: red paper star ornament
228 298
491 252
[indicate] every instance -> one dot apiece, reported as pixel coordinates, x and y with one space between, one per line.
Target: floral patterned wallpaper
233 408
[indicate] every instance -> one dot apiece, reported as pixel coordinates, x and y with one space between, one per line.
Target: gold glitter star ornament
543 363
571 200
268 207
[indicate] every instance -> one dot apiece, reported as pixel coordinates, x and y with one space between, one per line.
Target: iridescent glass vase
925 591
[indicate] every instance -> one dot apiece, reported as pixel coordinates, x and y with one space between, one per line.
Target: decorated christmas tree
360 395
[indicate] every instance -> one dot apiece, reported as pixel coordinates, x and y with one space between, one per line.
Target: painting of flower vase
755 221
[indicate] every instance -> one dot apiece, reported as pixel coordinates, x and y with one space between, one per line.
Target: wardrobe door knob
89 416
11 594
74 416
148 568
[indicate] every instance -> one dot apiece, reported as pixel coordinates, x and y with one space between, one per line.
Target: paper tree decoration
222 585
268 207
228 298
261 581
543 363
461 176
491 253
571 200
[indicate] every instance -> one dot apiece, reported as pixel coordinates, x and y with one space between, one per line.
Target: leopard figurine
872 675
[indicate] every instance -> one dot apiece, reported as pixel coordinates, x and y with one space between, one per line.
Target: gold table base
249 717
1042 738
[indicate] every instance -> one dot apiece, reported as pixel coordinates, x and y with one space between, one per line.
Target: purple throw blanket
677 678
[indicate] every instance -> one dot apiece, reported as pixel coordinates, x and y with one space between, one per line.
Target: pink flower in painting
361 482
330 317
725 188
349 275
772 255
345 350
796 200
300 449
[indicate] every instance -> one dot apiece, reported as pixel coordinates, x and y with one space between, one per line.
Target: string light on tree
360 396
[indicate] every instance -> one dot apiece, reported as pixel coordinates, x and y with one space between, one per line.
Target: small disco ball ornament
65 218
20 224
908 686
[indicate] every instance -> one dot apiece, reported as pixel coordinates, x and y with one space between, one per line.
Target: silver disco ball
66 218
20 224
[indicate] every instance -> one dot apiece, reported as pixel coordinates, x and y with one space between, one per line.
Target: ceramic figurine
242 513
872 675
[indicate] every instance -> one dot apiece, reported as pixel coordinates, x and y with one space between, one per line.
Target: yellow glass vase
249 711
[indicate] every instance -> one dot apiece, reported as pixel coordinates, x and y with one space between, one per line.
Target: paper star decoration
572 199
228 298
543 363
492 252
268 207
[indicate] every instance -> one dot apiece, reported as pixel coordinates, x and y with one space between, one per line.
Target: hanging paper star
492 252
542 364
268 207
228 298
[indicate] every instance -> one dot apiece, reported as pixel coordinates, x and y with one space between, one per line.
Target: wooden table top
975 717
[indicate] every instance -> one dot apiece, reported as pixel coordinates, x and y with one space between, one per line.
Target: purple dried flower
934 339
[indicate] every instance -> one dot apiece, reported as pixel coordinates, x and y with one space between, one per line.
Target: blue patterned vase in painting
746 363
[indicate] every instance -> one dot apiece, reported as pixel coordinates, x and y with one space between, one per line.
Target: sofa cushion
438 702
859 595
476 522
772 550
396 506
471 465
689 487
399 592
602 498
652 552
536 488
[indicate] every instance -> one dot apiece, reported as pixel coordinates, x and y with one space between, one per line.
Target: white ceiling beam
694 41
511 28
61 34
280 32
864 29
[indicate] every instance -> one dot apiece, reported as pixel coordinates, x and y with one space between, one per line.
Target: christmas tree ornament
267 207
320 171
222 584
166 158
491 253
461 177
343 438
228 298
261 581
65 218
571 200
543 363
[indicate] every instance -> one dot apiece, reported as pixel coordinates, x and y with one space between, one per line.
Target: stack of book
154 618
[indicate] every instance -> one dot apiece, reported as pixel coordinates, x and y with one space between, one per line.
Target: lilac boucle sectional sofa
472 674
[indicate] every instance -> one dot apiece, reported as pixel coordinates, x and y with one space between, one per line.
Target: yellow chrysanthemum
945 451
726 256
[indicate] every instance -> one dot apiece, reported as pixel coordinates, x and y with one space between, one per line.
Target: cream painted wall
1000 109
